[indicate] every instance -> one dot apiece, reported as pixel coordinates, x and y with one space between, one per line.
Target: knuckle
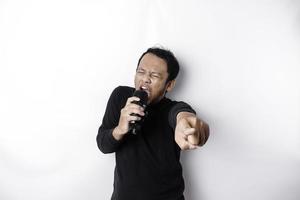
184 147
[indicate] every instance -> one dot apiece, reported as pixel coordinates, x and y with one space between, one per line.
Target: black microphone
135 126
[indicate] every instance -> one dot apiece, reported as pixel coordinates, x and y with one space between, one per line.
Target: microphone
135 126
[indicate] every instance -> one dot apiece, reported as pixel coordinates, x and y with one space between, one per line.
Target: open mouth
146 89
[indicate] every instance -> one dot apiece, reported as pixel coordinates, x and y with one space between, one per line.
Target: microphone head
142 95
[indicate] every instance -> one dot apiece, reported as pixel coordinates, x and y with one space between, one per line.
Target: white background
61 59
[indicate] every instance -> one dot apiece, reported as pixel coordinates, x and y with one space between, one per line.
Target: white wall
59 61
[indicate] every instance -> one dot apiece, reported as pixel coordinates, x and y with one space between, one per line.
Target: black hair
168 57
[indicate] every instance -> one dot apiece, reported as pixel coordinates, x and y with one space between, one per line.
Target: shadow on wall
295 5
193 187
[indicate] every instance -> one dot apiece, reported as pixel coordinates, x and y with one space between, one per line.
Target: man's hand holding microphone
131 114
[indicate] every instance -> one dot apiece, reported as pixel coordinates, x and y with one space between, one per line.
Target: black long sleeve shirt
147 164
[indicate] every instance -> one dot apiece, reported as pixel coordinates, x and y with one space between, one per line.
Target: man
148 164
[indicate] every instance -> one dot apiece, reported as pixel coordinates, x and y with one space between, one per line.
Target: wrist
118 133
183 114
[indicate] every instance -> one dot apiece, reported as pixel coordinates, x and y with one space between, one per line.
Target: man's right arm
105 140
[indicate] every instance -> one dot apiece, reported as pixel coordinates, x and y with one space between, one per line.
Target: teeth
144 88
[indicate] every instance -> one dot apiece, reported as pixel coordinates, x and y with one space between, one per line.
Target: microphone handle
135 126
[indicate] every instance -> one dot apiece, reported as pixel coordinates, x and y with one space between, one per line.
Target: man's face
151 76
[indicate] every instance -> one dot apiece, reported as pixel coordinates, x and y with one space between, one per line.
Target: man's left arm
190 131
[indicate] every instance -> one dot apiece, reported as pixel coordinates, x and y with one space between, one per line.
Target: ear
170 85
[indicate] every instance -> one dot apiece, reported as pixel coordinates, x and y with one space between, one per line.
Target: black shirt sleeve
105 140
177 108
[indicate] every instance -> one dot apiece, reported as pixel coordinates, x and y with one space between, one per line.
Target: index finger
189 146
131 99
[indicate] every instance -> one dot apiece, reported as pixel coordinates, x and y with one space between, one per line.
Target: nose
146 78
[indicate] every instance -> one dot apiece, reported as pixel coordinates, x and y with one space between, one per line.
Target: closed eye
155 75
140 71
